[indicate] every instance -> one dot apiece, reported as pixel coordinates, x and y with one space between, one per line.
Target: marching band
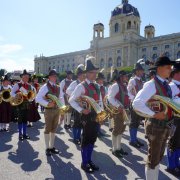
89 101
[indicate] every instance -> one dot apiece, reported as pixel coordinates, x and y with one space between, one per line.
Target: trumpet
90 102
165 102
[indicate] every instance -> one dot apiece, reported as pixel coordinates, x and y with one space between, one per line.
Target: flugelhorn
163 101
90 102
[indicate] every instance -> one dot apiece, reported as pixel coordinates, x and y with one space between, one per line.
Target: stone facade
123 47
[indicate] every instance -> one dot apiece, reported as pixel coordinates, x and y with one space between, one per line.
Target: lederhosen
123 97
157 131
5 110
135 118
23 109
90 129
174 142
77 116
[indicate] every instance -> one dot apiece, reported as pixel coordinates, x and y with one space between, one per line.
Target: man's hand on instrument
86 111
51 104
120 109
160 116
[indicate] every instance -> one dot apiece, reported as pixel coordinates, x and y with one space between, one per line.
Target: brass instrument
5 95
165 102
63 109
112 110
90 102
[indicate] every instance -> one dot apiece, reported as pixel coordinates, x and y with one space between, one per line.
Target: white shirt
131 87
5 87
71 87
78 92
112 91
175 90
15 88
40 98
143 97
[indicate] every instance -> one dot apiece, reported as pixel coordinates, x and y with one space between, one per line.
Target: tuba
90 102
112 110
63 109
163 101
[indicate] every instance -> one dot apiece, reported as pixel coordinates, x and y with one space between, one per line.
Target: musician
43 82
173 150
77 126
100 81
52 113
157 127
22 109
35 83
5 107
63 87
90 126
118 92
134 86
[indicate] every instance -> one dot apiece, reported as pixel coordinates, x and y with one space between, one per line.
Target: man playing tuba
90 126
157 126
52 112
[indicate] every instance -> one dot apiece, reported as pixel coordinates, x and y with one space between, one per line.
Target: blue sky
50 27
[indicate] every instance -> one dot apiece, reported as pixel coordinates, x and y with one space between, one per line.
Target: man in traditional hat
134 86
118 97
77 126
22 110
52 113
64 84
100 81
5 107
157 127
173 150
90 126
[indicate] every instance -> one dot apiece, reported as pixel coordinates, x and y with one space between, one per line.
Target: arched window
73 66
167 54
68 67
178 55
144 57
110 62
118 61
154 57
102 63
129 25
116 27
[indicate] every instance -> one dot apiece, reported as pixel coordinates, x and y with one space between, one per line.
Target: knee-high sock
75 133
114 143
84 155
150 174
78 133
157 171
46 138
52 138
0 126
68 118
89 152
24 128
20 126
133 134
110 123
171 159
119 137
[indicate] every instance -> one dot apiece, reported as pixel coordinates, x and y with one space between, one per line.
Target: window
118 61
118 51
178 55
129 25
154 48
144 57
73 66
167 54
110 62
166 46
143 49
116 27
68 67
102 63
178 44
154 57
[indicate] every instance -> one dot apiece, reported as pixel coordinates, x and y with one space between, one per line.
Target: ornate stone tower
98 31
149 31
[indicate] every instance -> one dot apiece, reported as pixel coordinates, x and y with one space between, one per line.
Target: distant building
123 47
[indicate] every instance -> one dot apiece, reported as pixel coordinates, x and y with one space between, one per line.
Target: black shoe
117 154
111 129
134 144
21 138
66 126
93 166
48 152
69 126
87 168
26 137
54 150
175 172
140 143
77 141
122 152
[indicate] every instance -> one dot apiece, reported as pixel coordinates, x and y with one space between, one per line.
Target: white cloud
9 48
